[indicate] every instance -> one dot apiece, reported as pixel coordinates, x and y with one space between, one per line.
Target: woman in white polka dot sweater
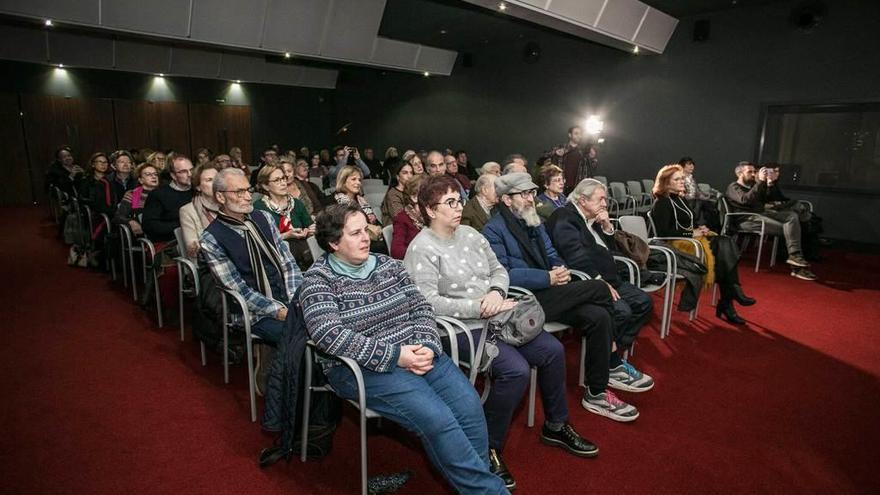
456 270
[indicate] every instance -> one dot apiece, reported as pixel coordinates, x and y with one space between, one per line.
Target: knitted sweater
367 320
454 274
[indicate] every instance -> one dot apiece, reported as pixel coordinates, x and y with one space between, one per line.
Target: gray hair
219 184
483 181
485 168
179 158
585 187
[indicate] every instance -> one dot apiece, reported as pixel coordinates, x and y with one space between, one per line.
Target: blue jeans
269 329
442 408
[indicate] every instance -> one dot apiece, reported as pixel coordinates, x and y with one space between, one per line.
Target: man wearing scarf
521 244
245 253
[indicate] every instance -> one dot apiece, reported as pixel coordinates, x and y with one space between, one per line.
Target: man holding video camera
750 193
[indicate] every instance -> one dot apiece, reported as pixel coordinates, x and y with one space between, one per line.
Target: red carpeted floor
98 400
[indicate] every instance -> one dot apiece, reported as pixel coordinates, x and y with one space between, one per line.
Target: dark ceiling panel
22 43
167 17
353 27
140 56
295 25
229 23
80 49
195 62
85 11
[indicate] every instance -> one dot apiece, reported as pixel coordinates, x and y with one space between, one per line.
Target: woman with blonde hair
674 218
349 190
290 214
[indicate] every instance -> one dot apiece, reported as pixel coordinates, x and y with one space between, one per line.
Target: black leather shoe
741 297
498 468
387 483
568 439
726 311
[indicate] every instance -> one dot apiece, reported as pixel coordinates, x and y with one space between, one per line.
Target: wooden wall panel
220 127
14 166
86 125
157 125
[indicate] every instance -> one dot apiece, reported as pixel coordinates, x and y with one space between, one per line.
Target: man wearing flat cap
521 244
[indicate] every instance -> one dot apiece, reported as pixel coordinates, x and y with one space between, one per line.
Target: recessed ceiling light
442 31
48 23
160 75
60 66
426 73
636 49
238 81
286 54
502 6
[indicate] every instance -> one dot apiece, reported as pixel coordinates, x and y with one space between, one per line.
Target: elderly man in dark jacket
523 247
582 232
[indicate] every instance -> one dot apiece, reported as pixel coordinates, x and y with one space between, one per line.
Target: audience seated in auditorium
408 221
673 218
349 190
64 173
750 194
373 163
203 156
583 235
196 215
389 164
128 212
98 167
702 204
491 168
348 156
464 166
515 163
395 199
457 272
476 212
244 251
453 171
522 246
162 209
293 189
316 167
110 188
238 161
415 161
811 224
363 306
288 213
308 188
553 183
267 157
223 161
434 163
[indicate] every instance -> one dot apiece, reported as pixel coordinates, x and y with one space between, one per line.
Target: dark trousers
510 380
584 304
630 313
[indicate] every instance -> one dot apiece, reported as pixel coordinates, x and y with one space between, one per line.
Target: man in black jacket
751 191
582 234
162 209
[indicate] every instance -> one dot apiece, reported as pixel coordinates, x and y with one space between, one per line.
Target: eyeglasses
186 171
278 180
240 193
149 174
531 193
452 203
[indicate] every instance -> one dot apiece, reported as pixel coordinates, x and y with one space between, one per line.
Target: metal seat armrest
759 217
697 246
635 275
239 300
148 246
515 289
459 327
579 275
181 262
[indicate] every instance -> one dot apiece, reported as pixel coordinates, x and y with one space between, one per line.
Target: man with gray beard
521 244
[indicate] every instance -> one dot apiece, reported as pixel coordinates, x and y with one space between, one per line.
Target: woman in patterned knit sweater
363 306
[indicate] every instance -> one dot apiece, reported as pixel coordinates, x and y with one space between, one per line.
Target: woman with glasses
349 190
98 167
456 270
196 215
290 214
132 204
553 182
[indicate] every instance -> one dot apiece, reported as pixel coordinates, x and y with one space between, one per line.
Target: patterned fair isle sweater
367 320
